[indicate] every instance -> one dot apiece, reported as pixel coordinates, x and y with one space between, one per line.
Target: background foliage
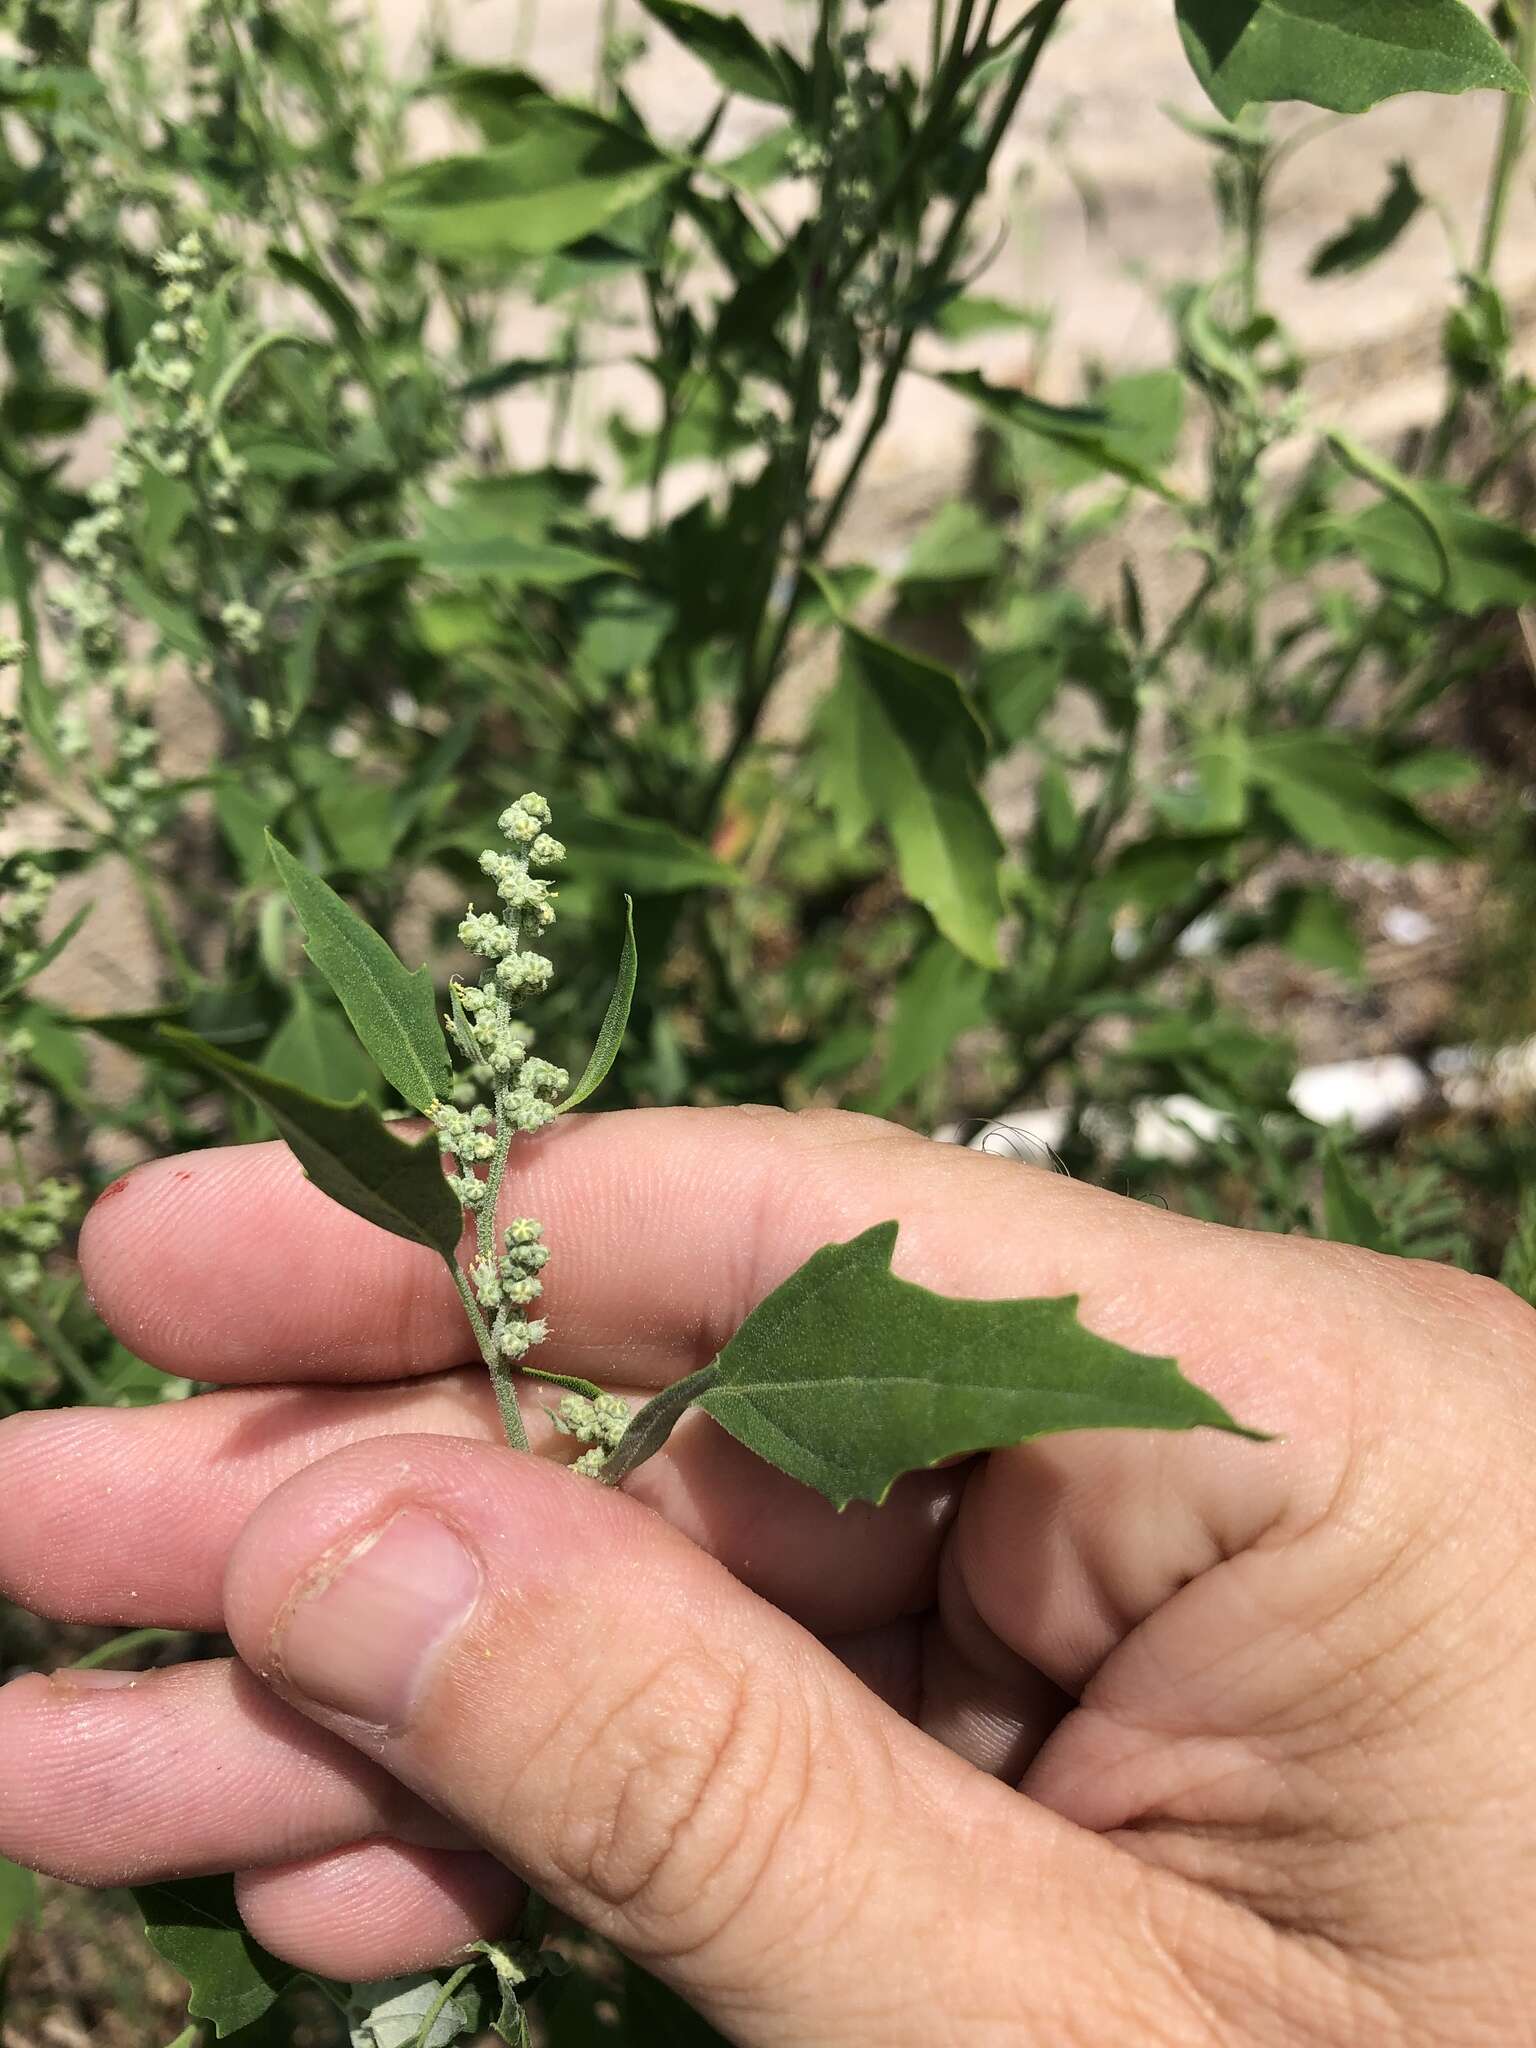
301 536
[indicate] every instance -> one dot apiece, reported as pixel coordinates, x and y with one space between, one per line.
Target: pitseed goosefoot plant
845 1378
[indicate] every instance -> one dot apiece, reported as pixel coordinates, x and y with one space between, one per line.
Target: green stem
254 350
124 1646
271 144
1512 133
459 1977
503 1380
58 1347
22 1170
160 918
604 90
476 1316
762 673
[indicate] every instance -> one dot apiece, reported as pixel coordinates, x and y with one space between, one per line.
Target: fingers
378 1909
666 1227
229 1265
115 1778
182 1479
664 1755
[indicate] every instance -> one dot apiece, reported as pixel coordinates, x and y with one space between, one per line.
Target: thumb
667 1757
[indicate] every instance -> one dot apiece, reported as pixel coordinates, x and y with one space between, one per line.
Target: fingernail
95 1681
365 1640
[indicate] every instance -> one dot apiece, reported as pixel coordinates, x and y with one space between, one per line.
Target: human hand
1099 1740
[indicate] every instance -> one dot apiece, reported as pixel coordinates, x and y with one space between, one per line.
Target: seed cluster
524 1089
599 1421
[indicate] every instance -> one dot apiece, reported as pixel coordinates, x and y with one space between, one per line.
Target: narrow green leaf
47 954
1157 872
325 293
1492 564
1370 235
898 745
393 1012
643 854
725 44
1404 491
244 815
655 1422
492 96
1097 435
542 564
178 627
1342 54
1325 788
18 1903
345 1148
34 702
563 173
1348 1214
846 1378
611 1036
195 1924
972 313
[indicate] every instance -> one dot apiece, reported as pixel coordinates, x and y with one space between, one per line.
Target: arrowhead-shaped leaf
393 1012
346 1148
847 1377
611 1036
899 746
195 1924
1341 54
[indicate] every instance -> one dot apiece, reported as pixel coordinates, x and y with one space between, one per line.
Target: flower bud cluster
129 788
847 162
25 888
600 1423
508 1286
25 893
34 1226
171 431
31 1229
10 744
524 1088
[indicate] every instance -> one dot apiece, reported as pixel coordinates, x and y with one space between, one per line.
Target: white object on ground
1368 1096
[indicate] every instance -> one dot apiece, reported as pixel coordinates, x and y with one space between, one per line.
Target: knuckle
1472 1297
676 1794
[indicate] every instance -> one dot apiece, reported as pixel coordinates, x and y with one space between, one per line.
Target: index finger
666 1227
230 1265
